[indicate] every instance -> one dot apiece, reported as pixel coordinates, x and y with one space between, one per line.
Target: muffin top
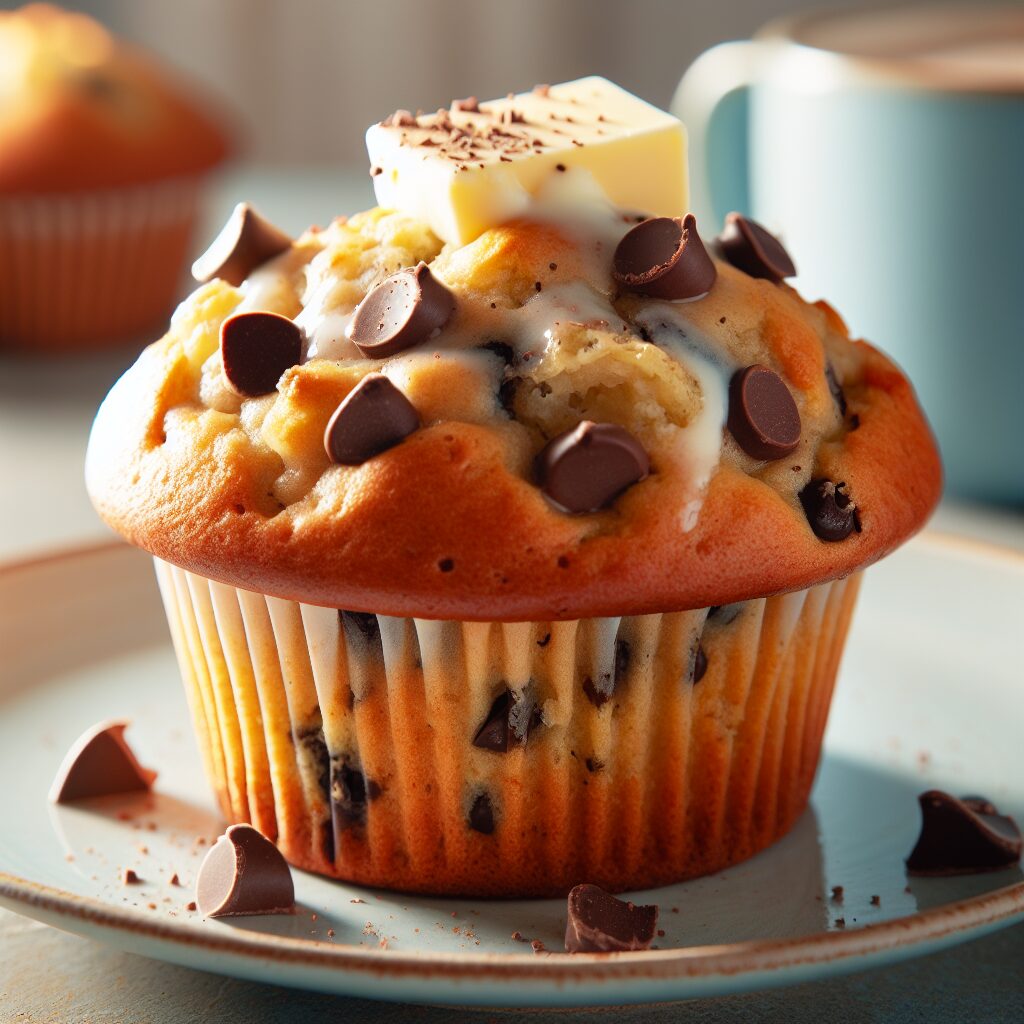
581 412
81 110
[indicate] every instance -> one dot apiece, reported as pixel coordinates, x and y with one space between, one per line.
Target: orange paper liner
300 710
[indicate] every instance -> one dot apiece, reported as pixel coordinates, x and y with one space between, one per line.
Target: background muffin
102 156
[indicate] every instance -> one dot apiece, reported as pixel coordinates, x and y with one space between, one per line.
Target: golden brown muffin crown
757 448
81 110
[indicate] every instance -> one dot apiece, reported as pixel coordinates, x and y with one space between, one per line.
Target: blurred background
296 84
306 77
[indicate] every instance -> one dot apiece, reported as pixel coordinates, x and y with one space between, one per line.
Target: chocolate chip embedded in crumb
830 511
754 250
100 763
763 417
243 874
960 837
402 311
351 792
587 468
256 349
481 815
374 417
509 720
836 389
246 242
700 664
665 258
600 923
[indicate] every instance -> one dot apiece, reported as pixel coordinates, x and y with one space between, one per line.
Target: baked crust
243 493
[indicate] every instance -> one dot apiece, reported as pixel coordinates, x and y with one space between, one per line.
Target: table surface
45 975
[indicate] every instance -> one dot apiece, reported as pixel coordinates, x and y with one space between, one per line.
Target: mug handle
713 101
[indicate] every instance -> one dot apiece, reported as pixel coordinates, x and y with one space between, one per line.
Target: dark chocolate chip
725 614
763 416
700 664
245 242
494 733
481 815
509 720
600 923
588 467
831 512
838 395
315 745
545 640
351 792
244 873
597 697
373 417
623 656
100 764
665 258
961 837
256 348
594 765
505 352
754 250
400 312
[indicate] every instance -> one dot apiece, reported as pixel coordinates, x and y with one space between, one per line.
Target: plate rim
974 914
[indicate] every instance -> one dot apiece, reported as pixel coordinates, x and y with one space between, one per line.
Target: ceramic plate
929 696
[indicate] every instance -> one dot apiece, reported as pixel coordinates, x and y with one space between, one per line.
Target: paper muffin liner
84 270
358 742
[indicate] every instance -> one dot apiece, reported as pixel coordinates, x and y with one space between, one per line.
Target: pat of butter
466 170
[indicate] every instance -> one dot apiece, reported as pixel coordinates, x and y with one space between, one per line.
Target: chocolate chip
505 352
831 513
256 348
600 923
597 697
960 837
754 250
374 416
100 764
402 311
700 664
594 765
244 873
360 626
838 395
725 614
509 720
664 257
623 656
763 416
588 467
351 792
245 242
481 815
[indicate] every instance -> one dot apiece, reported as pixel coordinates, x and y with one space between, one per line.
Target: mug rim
834 66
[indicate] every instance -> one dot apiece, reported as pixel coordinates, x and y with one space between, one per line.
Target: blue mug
887 149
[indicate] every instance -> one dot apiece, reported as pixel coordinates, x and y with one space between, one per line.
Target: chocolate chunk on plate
588 467
755 250
245 242
256 348
665 258
402 311
600 923
961 837
374 416
100 764
244 874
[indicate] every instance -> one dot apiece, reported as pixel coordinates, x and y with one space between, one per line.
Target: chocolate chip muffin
499 565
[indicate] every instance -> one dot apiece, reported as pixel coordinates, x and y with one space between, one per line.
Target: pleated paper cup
81 271
509 759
